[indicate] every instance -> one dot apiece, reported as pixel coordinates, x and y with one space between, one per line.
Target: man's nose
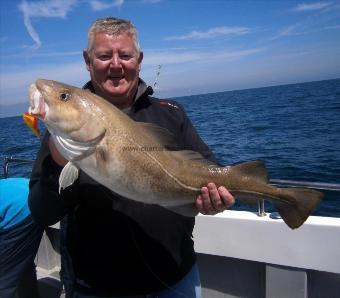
115 62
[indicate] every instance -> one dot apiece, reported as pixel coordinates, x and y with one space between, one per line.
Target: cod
133 159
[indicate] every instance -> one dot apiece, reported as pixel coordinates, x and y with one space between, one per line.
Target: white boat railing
306 184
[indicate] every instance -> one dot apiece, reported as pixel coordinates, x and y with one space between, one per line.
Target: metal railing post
8 160
261 212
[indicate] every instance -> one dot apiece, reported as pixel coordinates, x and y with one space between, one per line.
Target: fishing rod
155 84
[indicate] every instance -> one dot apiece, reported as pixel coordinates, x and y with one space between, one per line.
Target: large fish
132 159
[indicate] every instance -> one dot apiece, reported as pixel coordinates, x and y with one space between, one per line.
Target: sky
197 46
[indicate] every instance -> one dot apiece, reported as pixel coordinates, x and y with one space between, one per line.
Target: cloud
97 5
45 9
287 31
14 84
179 57
325 18
40 55
211 33
311 6
52 8
332 27
152 1
56 9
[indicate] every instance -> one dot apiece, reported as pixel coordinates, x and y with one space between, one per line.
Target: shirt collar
143 89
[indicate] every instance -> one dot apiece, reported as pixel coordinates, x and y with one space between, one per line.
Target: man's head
113 58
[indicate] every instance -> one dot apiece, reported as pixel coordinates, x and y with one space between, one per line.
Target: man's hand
213 200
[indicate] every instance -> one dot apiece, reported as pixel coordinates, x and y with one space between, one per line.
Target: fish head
71 116
65 110
56 104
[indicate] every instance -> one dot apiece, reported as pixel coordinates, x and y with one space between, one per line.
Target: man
119 247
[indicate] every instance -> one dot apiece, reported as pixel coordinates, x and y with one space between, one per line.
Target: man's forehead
103 38
108 35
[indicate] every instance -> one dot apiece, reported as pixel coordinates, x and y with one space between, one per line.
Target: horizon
213 46
192 95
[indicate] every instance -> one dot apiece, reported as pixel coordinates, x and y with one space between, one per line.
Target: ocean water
294 128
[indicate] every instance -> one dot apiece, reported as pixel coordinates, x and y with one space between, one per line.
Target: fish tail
305 202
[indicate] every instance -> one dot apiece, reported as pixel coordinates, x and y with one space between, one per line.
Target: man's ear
140 59
87 59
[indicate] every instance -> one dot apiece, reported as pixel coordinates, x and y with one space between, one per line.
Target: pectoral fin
68 175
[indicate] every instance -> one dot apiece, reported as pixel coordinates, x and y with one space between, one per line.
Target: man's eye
104 57
125 56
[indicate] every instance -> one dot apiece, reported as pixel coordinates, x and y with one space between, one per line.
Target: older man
119 247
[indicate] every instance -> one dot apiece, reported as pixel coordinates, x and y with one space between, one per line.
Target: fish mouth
38 106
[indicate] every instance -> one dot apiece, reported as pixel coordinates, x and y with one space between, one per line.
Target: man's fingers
226 197
215 198
206 201
199 204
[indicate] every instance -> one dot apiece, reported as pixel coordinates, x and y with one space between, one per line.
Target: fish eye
64 96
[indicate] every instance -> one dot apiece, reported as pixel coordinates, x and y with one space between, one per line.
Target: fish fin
188 210
68 175
295 214
78 149
256 169
162 135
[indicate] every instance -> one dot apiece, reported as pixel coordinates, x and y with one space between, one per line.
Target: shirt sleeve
47 206
191 139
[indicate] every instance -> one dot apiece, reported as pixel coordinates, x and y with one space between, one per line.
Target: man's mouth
116 77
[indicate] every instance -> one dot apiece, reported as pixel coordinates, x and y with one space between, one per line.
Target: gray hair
112 26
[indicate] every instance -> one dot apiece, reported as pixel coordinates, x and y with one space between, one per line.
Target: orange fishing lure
32 123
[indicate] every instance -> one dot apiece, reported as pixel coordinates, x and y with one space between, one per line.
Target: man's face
114 65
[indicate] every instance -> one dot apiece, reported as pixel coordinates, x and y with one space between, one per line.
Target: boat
241 253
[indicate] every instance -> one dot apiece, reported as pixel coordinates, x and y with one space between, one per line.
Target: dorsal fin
256 169
162 135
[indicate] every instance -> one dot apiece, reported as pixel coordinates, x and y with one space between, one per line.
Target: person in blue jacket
19 241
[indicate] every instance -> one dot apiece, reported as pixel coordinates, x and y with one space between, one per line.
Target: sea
294 129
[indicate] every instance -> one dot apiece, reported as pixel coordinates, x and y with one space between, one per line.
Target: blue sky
203 46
